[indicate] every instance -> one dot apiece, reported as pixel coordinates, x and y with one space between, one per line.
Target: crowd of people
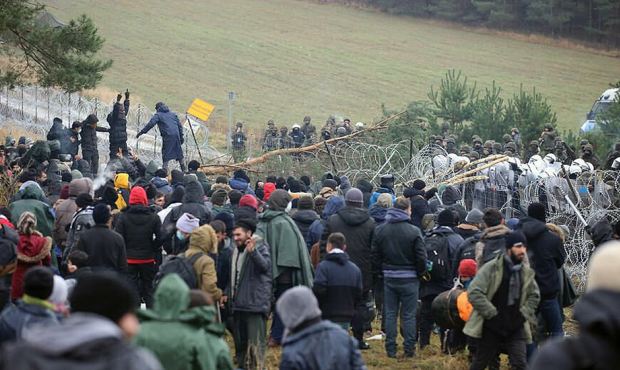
150 269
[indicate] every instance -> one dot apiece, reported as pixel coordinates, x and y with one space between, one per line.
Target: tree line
589 20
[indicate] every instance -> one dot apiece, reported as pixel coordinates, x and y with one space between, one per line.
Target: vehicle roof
609 95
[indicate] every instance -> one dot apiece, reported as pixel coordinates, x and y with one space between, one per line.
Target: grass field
289 58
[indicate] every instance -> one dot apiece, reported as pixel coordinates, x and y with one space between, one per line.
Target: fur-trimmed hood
33 248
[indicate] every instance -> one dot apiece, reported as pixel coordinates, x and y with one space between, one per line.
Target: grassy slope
289 58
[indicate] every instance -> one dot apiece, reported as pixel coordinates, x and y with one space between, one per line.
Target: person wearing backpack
399 255
82 220
140 228
203 243
442 245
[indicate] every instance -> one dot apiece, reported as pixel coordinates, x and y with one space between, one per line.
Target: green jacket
182 338
288 248
485 285
30 202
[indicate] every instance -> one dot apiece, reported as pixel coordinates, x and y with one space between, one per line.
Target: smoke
103 177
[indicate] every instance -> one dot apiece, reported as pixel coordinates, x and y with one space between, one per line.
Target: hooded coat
358 228
204 241
419 205
182 338
67 208
32 250
288 249
171 132
140 228
31 202
304 219
82 341
596 345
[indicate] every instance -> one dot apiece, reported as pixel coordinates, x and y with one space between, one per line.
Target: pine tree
48 53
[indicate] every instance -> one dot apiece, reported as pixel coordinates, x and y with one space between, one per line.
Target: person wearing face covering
290 261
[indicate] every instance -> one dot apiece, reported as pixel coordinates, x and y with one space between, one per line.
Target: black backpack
182 266
437 251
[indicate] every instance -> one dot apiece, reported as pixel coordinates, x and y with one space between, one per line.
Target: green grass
288 58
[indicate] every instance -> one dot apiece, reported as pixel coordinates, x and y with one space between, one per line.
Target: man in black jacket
338 283
419 204
105 248
117 119
90 152
358 228
398 252
546 254
140 228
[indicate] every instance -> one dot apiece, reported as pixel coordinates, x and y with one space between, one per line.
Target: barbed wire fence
31 109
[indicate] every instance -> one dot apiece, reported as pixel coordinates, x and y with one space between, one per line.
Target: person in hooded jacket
305 216
161 182
33 249
290 262
117 119
88 134
9 239
180 336
310 338
419 204
546 255
32 201
171 132
141 229
204 241
378 211
315 232
67 208
95 336
491 241
173 200
399 258
366 188
241 182
358 228
471 224
595 346
429 290
57 131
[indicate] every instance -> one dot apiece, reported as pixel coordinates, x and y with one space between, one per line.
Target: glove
127 94
119 97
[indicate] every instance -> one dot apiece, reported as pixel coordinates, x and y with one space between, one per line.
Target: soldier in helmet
487 148
547 139
238 140
476 144
589 156
308 130
532 150
270 136
284 139
498 148
438 140
510 149
297 135
464 150
327 131
450 145
346 123
507 139
341 131
516 138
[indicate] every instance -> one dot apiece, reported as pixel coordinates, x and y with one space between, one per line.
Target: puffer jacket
305 349
140 227
252 292
162 185
89 137
358 228
204 241
32 250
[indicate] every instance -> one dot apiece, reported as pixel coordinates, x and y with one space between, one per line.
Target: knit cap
515 237
248 200
187 223
467 268
419 184
137 196
305 202
355 196
474 216
446 218
296 306
537 211
219 197
278 201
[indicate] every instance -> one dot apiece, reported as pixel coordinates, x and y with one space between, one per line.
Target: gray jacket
253 288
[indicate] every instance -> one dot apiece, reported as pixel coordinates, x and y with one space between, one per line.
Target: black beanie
247 224
330 183
66 176
161 173
537 211
101 214
235 196
39 282
84 200
515 237
104 294
446 218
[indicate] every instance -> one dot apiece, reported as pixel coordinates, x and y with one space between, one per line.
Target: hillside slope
288 58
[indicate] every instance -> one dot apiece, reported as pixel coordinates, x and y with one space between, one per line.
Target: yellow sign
200 109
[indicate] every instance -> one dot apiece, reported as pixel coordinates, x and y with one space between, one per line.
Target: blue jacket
321 346
162 185
375 195
16 318
241 185
338 287
171 132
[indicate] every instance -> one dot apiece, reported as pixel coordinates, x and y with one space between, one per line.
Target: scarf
37 302
514 284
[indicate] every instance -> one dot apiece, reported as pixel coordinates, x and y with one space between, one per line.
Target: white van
602 104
